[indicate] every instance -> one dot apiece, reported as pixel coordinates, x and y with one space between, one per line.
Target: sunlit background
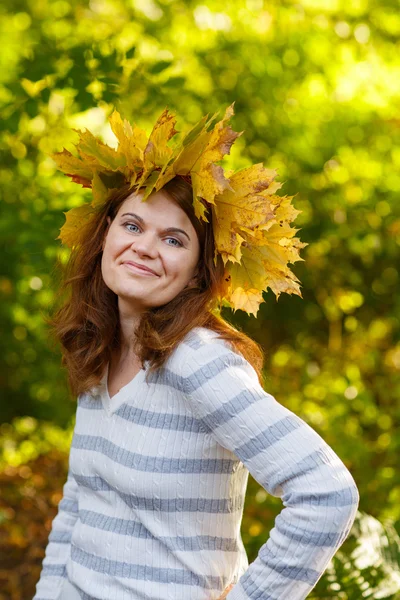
316 85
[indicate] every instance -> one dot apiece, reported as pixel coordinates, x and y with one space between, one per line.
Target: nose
145 245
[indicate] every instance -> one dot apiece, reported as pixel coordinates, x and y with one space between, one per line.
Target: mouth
134 268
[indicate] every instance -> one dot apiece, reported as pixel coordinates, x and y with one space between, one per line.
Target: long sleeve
288 458
59 544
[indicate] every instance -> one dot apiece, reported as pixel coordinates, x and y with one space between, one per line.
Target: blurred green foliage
317 90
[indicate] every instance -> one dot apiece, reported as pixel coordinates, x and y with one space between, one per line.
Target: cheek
178 266
112 248
109 254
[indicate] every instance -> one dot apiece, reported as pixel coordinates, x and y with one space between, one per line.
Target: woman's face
156 234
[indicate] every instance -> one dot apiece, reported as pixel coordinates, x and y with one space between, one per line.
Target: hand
225 592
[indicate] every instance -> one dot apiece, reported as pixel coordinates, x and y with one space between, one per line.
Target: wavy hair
85 319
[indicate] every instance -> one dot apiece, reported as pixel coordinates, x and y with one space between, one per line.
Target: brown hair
87 323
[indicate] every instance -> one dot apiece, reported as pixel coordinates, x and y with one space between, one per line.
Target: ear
106 232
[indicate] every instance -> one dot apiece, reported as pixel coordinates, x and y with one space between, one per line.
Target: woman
172 416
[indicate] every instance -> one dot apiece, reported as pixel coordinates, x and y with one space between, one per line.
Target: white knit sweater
153 503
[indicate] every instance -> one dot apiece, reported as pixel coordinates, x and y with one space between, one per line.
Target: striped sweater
153 502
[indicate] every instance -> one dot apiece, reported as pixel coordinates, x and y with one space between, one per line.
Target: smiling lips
139 268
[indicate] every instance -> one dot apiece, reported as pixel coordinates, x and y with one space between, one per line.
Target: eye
179 244
128 225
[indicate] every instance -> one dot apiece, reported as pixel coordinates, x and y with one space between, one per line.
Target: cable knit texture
153 502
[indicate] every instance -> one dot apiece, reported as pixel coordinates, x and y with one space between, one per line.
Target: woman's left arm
289 459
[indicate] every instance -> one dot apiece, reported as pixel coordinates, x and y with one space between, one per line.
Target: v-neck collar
111 405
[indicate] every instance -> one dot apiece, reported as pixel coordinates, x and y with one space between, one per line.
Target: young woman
171 418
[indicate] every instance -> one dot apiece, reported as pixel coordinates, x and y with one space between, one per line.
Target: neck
129 319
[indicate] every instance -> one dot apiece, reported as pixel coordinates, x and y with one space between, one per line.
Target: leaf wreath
251 223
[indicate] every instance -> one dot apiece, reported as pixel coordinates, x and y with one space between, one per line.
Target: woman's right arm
58 547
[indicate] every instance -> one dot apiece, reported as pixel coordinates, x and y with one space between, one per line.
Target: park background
316 85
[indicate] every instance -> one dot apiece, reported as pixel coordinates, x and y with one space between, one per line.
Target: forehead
158 207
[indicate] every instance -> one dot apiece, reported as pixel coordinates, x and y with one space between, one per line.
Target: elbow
353 493
345 503
346 497
349 511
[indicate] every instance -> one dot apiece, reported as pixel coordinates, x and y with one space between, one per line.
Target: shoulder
202 352
200 342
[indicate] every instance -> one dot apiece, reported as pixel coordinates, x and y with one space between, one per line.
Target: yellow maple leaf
208 179
285 211
288 283
262 267
250 272
157 152
242 208
197 154
73 166
75 221
132 140
182 162
91 147
186 153
248 300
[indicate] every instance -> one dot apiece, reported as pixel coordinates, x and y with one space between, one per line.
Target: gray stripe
305 536
155 420
233 407
268 437
138 530
126 570
254 589
211 369
343 497
92 402
193 340
54 571
60 537
152 464
187 385
305 465
205 505
276 563
68 505
164 376
147 418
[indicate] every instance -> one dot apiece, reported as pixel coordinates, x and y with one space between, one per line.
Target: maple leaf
132 140
242 209
181 163
197 154
186 154
285 211
81 180
208 179
248 300
91 147
288 284
157 153
261 267
76 220
73 166
100 190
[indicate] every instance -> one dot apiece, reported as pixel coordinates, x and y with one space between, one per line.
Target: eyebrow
168 229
